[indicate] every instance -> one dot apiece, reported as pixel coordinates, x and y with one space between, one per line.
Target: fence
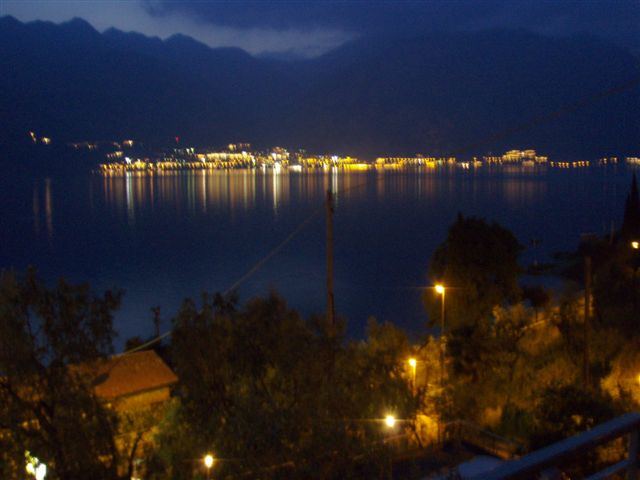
547 463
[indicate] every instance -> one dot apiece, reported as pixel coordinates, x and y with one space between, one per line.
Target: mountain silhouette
445 93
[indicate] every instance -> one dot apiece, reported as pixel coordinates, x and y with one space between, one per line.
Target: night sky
310 28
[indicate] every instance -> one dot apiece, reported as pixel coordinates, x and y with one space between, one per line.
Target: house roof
132 373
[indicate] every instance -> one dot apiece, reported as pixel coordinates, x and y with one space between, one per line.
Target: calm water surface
166 237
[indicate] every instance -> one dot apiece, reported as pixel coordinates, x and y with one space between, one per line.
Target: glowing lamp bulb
413 362
41 472
208 460
439 289
635 245
390 421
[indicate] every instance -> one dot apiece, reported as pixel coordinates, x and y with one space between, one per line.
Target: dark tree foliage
537 296
478 263
614 281
468 347
567 410
278 396
571 265
486 355
48 339
631 220
616 292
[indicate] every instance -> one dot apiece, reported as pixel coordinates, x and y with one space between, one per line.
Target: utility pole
156 320
331 310
587 317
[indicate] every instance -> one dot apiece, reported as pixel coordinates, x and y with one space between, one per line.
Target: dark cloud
615 20
357 16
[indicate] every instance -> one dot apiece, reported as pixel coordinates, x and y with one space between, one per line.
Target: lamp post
208 463
441 290
635 245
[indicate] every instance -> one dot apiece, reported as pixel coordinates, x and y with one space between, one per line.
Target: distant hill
440 93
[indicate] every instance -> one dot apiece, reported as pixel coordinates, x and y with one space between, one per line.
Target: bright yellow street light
439 289
413 363
390 421
35 467
208 461
635 245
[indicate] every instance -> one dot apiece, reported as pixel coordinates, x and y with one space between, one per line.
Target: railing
476 437
547 463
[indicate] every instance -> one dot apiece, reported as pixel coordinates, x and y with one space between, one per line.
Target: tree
280 395
176 447
616 291
49 338
622 381
478 263
490 355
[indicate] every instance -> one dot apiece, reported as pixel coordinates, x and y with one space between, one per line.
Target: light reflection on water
48 207
200 191
44 186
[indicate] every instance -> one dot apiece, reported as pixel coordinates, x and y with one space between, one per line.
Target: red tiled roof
133 373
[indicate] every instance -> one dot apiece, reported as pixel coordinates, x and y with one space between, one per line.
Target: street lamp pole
635 245
390 422
440 289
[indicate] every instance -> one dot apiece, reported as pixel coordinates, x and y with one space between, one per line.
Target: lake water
166 237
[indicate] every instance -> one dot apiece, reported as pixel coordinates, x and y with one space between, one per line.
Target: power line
273 252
